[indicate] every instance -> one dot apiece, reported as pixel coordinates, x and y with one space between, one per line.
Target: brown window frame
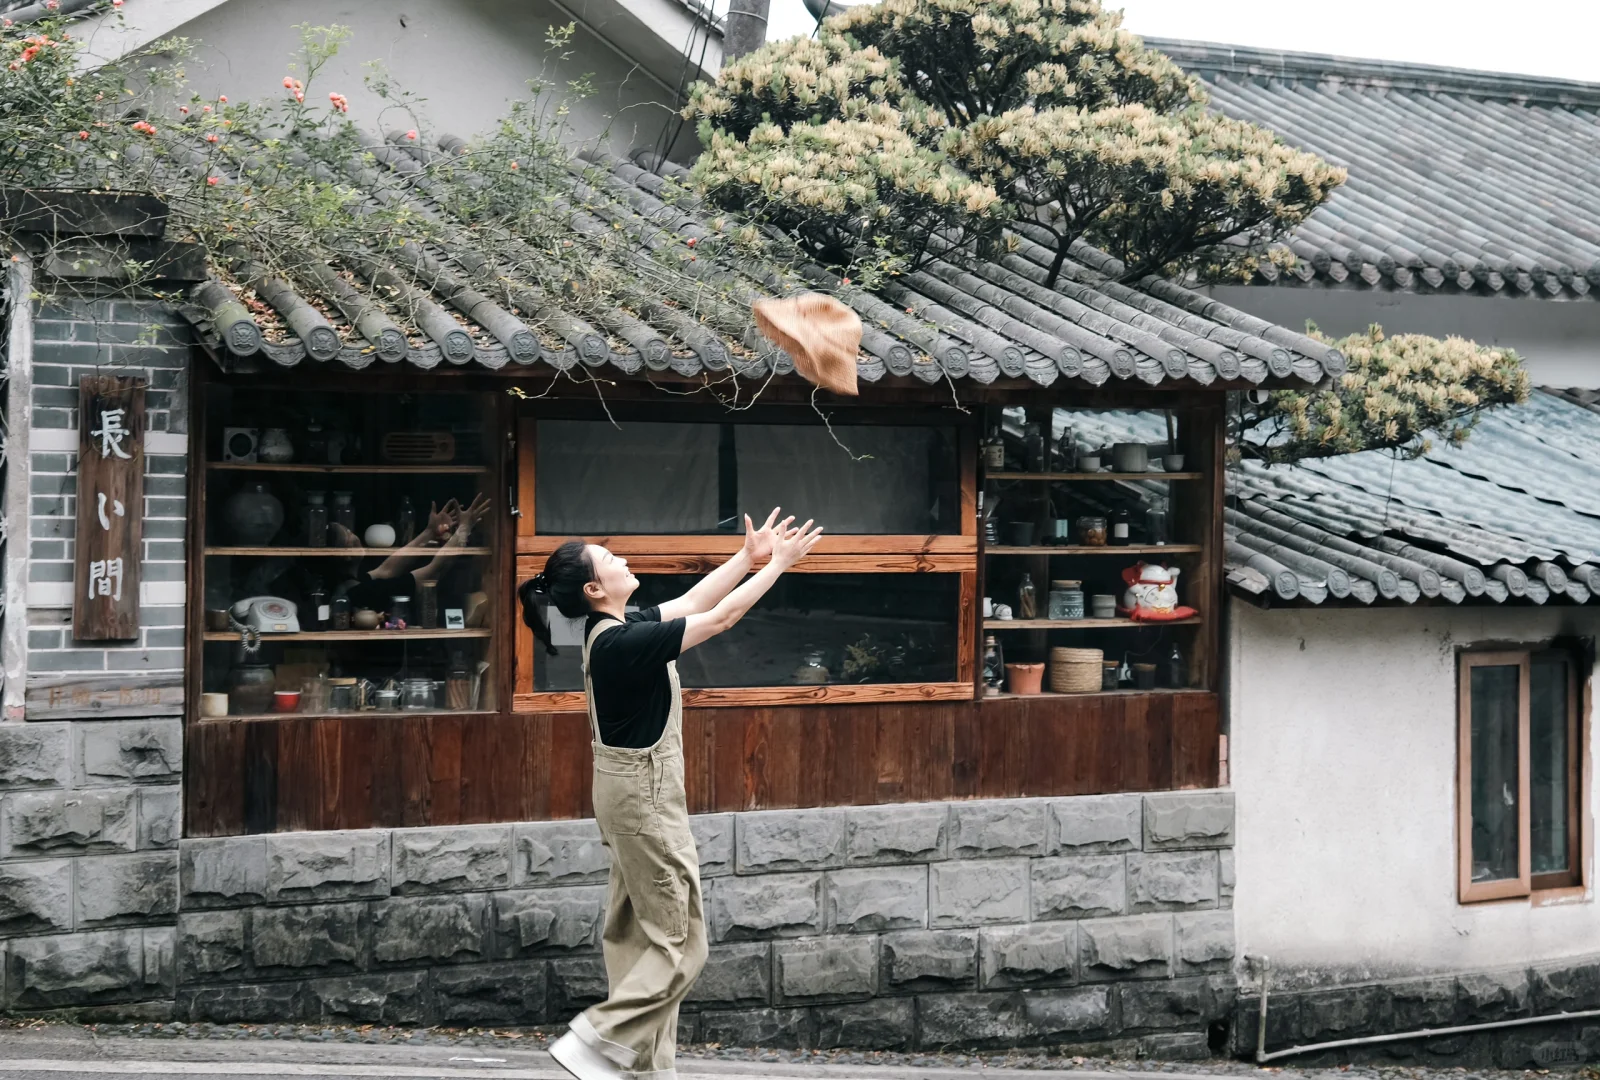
949 553
1538 887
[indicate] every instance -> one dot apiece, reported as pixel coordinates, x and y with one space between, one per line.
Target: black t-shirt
628 667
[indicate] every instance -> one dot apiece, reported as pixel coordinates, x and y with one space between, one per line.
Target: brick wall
73 338
1099 920
89 809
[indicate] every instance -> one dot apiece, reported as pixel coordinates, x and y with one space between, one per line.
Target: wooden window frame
1540 888
945 553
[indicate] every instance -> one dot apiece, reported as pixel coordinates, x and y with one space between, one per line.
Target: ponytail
561 583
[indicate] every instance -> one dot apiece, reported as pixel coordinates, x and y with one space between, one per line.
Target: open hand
442 519
792 545
758 542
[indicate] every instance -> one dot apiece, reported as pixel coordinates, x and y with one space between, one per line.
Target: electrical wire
664 142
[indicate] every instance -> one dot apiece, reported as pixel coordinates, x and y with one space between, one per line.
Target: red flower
222 98
206 109
513 166
184 109
340 102
213 137
83 134
52 5
412 134
116 3
847 281
211 181
691 241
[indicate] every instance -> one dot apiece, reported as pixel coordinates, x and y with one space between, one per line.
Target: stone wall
1306 1017
1090 920
89 807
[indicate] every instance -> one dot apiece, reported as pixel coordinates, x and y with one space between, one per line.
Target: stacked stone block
1096 921
88 863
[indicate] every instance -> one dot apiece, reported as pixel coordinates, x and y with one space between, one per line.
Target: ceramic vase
253 514
275 447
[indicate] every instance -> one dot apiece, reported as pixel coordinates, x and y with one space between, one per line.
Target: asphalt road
62 1052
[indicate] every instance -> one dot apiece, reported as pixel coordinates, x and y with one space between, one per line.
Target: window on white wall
1520 774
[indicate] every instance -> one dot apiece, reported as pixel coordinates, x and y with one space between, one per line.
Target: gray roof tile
1460 181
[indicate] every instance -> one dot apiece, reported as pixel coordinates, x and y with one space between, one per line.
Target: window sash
1521 885
1526 883
1572 876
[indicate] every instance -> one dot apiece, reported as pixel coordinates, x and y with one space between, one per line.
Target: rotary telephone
264 615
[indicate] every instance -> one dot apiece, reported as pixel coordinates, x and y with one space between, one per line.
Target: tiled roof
1460 181
995 320
1511 516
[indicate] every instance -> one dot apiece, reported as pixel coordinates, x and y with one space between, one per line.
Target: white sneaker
582 1060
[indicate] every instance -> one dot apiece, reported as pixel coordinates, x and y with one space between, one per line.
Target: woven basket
1075 671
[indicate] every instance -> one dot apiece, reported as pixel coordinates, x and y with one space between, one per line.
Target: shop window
1520 774
884 609
323 592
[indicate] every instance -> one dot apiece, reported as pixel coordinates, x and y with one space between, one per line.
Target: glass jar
428 607
1066 600
405 524
1092 531
1027 598
812 670
317 519
344 510
416 695
339 613
400 611
1110 674
1155 524
342 695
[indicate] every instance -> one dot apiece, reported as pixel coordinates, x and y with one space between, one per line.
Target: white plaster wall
467 58
1343 756
1558 340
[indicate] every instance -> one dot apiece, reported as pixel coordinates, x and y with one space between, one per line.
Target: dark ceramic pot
253 514
250 688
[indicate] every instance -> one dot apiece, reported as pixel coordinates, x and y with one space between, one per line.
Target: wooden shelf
1084 624
1130 549
1095 476
346 470
329 552
390 714
1123 691
354 635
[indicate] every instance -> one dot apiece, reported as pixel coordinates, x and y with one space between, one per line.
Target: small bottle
317 519
994 668
317 600
1155 523
1120 532
994 452
405 525
316 451
1177 672
339 613
458 685
428 604
1027 599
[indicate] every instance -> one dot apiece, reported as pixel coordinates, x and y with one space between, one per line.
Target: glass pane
1494 772
879 480
1550 765
595 478
321 538
810 629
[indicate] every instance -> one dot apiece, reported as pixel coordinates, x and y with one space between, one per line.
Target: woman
655 938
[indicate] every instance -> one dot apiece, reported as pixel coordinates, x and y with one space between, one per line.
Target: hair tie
541 583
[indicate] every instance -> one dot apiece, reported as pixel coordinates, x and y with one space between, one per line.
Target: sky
1555 38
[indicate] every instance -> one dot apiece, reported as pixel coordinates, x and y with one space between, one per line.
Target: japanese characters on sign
105 603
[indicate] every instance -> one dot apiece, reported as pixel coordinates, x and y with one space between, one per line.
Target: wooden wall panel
353 772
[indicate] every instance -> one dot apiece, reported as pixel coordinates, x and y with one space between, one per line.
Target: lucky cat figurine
1152 594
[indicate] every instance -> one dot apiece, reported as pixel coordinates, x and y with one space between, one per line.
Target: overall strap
588 683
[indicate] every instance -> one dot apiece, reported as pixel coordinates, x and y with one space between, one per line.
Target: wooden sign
105 605
70 697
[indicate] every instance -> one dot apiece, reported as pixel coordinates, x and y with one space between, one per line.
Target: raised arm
717 584
788 548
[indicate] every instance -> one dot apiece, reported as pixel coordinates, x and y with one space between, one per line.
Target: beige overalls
655 932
